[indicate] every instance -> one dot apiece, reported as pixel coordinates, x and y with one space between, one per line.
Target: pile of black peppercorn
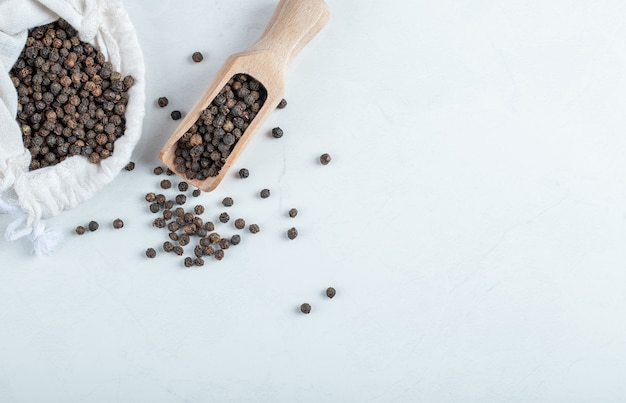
70 100
202 151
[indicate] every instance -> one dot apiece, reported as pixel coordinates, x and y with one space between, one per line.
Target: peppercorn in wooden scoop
244 93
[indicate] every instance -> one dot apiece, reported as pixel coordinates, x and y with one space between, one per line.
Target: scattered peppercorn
117 223
168 246
277 132
181 199
209 226
292 233
325 159
198 261
183 186
160 199
254 228
93 226
159 222
169 172
265 193
151 253
293 212
224 217
197 57
235 239
219 254
214 237
178 250
173 236
155 208
80 230
224 243
150 197
305 308
282 103
227 202
199 209
195 193
166 184
244 173
176 115
130 166
158 170
163 101
330 292
188 261
240 223
183 239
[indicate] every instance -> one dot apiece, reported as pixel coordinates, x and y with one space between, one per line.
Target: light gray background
473 221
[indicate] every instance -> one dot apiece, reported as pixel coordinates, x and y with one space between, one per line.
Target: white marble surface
473 221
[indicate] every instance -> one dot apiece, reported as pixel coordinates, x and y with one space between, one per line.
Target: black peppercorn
150 197
199 209
224 243
277 132
305 308
195 193
219 254
181 199
325 159
160 199
159 222
183 239
244 173
80 230
169 172
155 207
235 239
158 170
167 214
240 223
188 261
130 166
209 226
282 103
166 184
265 193
227 202
117 223
198 261
178 250
168 246
163 101
293 212
151 253
93 226
183 186
224 217
197 57
176 115
292 233
330 292
214 237
254 228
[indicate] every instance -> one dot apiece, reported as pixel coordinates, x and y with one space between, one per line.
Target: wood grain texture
293 24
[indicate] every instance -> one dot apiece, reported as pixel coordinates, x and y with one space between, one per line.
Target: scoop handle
293 24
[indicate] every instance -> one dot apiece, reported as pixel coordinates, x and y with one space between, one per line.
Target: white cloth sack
45 192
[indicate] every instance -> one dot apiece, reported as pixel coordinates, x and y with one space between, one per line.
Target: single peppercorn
224 217
277 132
244 173
254 228
178 250
167 214
305 308
163 101
227 202
80 230
159 222
168 246
197 57
240 223
292 233
209 226
181 199
198 261
195 193
325 159
183 186
151 253
199 209
188 261
166 184
93 226
130 166
235 239
118 223
219 254
158 170
160 199
293 212
224 243
282 103
150 197
330 292
155 208
169 172
176 115
173 236
214 237
265 193
183 239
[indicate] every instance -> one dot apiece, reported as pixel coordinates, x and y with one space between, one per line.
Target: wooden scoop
293 24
